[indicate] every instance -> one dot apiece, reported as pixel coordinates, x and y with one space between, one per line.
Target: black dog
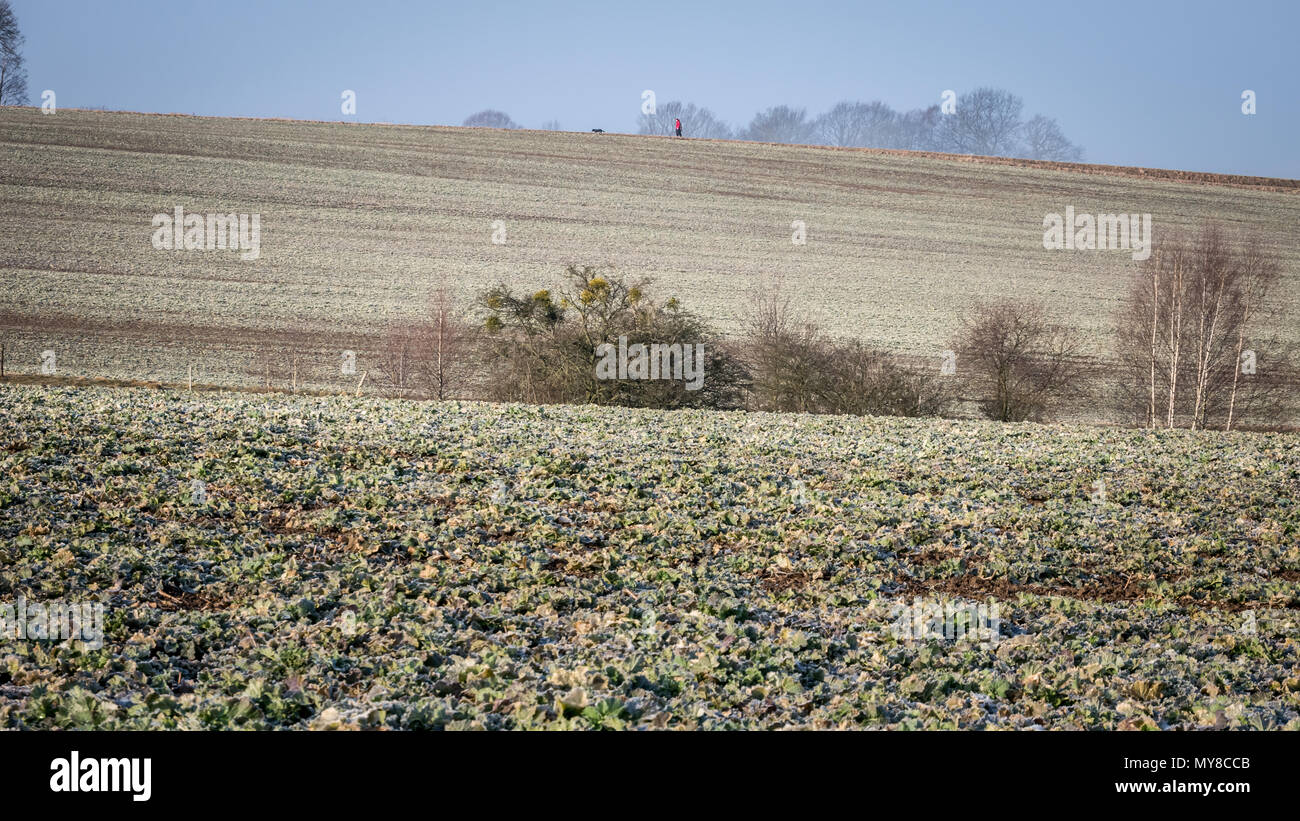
598 131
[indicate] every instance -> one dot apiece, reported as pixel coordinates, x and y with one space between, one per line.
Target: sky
1155 84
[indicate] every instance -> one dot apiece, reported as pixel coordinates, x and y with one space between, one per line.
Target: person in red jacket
677 124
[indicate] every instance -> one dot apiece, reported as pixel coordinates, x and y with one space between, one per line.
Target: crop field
310 562
359 222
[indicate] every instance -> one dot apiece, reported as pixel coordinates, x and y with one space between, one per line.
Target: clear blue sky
1136 83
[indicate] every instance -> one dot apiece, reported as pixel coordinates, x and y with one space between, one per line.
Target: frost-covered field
358 222
338 562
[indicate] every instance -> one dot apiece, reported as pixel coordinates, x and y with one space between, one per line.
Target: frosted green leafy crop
357 563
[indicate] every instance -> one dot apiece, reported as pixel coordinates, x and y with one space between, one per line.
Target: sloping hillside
358 221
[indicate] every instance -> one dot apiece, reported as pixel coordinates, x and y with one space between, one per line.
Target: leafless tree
986 122
1258 273
916 130
445 343
1017 361
788 355
1043 140
428 356
1186 325
395 359
858 125
780 124
795 367
490 118
696 122
13 73
861 379
552 125
1213 274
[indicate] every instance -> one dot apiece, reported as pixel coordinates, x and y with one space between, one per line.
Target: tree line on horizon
985 121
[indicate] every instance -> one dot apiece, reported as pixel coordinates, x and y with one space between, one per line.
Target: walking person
677 124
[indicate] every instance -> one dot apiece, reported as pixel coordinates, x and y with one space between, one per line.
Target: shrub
796 368
545 347
1015 360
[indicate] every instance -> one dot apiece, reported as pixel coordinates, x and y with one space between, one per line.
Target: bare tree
1189 317
428 356
1155 333
780 124
552 125
1257 274
490 118
788 354
1213 270
857 124
916 130
395 360
696 122
445 346
1043 140
863 380
986 122
13 73
1016 359
795 367
1177 286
